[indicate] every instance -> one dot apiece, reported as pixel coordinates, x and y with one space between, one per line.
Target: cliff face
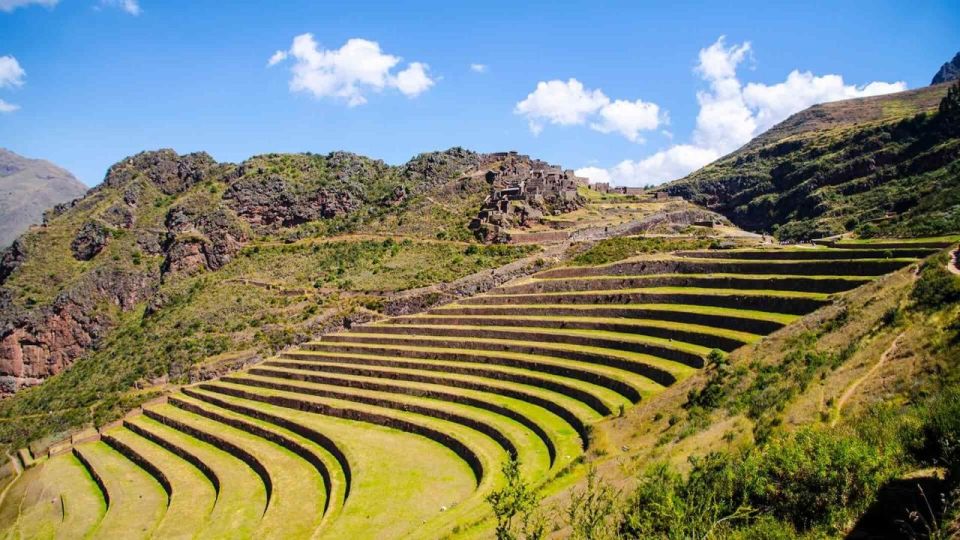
28 187
886 164
159 218
949 71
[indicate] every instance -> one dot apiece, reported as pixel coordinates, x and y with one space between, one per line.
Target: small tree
516 500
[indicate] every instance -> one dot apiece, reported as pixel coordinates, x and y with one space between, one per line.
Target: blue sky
97 80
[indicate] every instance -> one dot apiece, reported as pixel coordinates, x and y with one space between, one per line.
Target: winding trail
856 384
952 265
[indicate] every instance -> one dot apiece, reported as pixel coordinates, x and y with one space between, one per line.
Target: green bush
935 287
815 477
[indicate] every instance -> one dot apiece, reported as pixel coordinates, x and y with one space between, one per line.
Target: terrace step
629 374
240 494
786 302
135 500
535 340
686 265
600 398
289 479
479 451
57 499
190 494
816 284
573 412
314 448
811 254
704 336
554 431
400 480
518 434
755 322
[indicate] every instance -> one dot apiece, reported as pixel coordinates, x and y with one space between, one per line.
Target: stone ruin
522 191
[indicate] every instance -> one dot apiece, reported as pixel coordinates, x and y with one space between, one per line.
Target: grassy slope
837 166
766 394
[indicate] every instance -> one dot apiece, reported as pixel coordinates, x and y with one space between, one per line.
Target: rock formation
522 191
949 71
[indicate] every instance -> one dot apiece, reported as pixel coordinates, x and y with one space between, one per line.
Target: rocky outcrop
168 171
949 71
41 343
271 201
90 240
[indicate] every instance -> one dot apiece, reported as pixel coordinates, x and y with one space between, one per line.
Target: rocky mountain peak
949 71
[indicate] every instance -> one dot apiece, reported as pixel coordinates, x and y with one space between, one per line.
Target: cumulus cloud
11 74
132 7
349 72
10 5
7 107
628 118
478 68
731 114
595 174
802 89
570 103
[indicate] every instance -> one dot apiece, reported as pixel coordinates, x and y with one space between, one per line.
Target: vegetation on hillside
892 175
893 465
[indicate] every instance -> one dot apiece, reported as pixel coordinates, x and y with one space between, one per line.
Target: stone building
522 191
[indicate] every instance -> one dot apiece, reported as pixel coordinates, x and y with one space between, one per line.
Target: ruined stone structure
522 191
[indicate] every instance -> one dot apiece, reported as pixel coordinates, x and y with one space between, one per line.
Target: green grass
782 318
242 498
563 437
137 502
489 453
677 290
56 498
581 411
296 503
192 496
616 249
952 238
522 321
400 479
609 398
643 385
544 334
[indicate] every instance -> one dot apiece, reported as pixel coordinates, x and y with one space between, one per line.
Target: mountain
883 165
28 187
949 71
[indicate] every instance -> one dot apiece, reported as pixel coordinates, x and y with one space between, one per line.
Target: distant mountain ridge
949 71
28 187
884 165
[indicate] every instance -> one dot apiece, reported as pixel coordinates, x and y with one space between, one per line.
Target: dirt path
856 384
952 265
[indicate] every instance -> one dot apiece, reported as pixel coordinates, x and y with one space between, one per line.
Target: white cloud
277 57
731 114
595 174
570 103
802 89
478 68
668 164
628 118
349 72
7 107
132 7
414 80
10 5
562 103
11 74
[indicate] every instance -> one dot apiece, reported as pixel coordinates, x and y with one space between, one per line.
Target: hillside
884 165
29 187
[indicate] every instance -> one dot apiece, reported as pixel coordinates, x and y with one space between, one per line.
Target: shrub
514 507
815 477
935 287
